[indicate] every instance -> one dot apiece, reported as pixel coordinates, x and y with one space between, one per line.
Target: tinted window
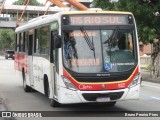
10 52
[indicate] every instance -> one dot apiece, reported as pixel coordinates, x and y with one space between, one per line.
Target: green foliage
32 2
148 68
147 23
7 36
7 39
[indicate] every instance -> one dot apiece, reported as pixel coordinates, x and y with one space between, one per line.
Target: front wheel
54 103
111 104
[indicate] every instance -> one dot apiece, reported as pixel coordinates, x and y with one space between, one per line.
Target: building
145 49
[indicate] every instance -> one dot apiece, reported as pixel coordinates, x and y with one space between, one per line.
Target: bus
80 57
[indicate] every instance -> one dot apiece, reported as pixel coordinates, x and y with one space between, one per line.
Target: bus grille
102 79
94 96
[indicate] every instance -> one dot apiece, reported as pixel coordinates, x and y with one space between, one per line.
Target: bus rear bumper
67 96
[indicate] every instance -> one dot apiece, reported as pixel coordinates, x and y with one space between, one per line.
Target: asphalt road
15 99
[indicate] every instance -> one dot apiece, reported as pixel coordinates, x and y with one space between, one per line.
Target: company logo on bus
103 86
85 87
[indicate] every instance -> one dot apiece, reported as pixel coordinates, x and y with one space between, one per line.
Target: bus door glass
54 56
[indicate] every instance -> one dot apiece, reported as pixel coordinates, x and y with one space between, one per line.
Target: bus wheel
25 86
54 103
111 104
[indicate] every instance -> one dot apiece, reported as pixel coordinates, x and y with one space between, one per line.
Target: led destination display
98 20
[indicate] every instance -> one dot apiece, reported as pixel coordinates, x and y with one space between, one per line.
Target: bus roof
96 11
46 19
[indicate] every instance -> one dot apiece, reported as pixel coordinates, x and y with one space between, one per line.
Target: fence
145 61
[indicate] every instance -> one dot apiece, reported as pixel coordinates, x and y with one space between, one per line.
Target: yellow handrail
17 23
77 4
57 3
2 6
47 9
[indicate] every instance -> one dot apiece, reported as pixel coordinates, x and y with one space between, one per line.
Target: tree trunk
156 62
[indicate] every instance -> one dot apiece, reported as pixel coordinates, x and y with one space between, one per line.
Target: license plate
103 99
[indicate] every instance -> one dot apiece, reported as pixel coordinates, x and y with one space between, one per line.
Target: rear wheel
25 86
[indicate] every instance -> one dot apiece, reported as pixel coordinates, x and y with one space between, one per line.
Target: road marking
152 86
155 98
150 97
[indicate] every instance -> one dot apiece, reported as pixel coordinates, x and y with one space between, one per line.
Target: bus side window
52 48
44 40
37 41
26 42
16 43
30 42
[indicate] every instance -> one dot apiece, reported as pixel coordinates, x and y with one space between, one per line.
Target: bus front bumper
67 96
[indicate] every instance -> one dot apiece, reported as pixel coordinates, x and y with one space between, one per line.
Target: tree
147 23
7 39
147 15
32 2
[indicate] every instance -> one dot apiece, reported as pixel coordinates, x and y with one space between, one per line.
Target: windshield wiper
89 42
113 38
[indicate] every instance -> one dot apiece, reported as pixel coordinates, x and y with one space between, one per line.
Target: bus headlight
68 84
134 81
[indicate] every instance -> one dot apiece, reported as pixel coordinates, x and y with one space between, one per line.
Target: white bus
80 57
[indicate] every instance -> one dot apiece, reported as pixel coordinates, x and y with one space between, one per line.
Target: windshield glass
96 51
10 52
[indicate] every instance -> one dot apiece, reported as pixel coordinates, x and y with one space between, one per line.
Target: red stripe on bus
103 85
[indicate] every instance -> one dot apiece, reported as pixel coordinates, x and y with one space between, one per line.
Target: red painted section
21 61
101 86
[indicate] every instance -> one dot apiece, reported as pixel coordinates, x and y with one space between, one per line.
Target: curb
146 76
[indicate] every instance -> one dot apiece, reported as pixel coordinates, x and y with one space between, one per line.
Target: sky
9 2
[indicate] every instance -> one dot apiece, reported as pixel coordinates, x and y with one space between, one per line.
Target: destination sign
98 20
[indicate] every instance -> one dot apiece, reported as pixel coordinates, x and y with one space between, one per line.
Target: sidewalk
146 76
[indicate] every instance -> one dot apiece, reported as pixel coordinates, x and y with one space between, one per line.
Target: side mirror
57 41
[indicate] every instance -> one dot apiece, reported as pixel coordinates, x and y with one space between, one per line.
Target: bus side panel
41 68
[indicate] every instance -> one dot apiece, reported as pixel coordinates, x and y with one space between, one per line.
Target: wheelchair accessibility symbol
108 66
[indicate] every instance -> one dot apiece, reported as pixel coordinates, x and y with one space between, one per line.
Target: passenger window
44 42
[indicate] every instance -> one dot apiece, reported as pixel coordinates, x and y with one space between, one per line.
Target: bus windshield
99 50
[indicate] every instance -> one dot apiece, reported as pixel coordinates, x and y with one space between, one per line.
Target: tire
111 104
25 86
46 86
54 103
